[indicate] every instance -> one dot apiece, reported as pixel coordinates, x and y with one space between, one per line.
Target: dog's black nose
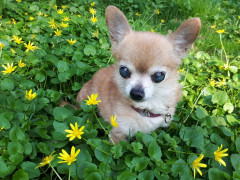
137 94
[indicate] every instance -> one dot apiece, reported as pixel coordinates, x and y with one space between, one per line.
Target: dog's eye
158 77
124 72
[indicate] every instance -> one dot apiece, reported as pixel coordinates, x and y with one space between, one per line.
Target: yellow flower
220 154
64 7
92 11
40 13
75 132
220 31
55 7
162 20
66 18
26 13
238 41
29 95
64 25
94 19
225 2
8 69
0 17
113 121
93 3
196 164
35 47
45 15
212 82
21 64
213 26
238 17
95 34
79 15
17 40
71 41
46 160
31 18
92 100
19 1
222 82
2 45
29 46
68 158
1 129
12 50
157 11
58 32
152 30
60 11
137 14
14 21
52 23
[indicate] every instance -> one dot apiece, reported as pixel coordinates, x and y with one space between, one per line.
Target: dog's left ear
185 35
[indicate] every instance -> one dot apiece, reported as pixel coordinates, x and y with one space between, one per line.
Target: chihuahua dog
142 87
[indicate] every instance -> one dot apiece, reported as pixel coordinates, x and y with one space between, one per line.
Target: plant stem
103 127
225 54
55 171
194 104
69 175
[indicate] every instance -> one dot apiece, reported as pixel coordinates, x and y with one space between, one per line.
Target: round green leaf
220 97
31 169
228 107
20 175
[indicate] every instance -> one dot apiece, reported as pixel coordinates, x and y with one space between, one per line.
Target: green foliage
206 117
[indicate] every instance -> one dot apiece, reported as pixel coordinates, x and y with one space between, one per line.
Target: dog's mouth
146 113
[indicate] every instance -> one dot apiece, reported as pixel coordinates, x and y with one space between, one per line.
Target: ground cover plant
49 49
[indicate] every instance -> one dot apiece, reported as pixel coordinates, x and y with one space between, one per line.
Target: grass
207 115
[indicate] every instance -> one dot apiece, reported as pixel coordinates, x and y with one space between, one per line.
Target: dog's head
147 61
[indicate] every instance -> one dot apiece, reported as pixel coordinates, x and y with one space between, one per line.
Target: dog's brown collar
146 113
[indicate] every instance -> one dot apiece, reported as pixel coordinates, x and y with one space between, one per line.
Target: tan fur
144 52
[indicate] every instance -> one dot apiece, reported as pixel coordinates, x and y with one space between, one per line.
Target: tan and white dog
142 87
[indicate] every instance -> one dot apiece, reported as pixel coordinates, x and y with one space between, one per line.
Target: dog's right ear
117 24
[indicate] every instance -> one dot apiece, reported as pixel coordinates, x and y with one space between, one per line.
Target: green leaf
4 121
7 84
62 66
228 107
59 130
192 135
233 69
117 151
27 148
61 113
137 146
20 175
16 159
127 176
30 168
237 143
201 112
43 148
146 174
214 173
15 148
180 167
16 134
154 151
40 77
235 160
3 169
89 49
220 97
140 163
91 172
